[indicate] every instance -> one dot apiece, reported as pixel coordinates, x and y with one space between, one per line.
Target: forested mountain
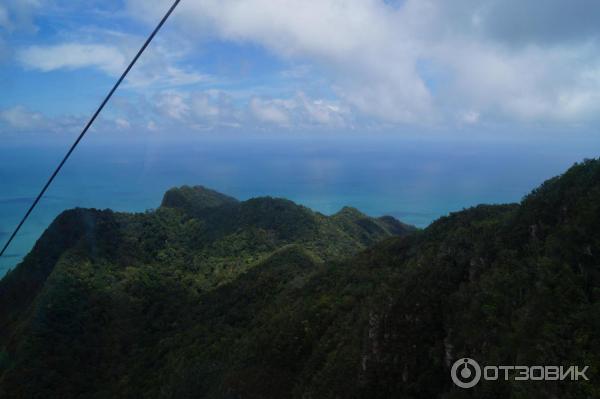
209 297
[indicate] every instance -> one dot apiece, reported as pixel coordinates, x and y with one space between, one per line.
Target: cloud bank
347 63
424 61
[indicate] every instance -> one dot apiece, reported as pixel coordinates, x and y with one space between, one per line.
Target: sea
416 179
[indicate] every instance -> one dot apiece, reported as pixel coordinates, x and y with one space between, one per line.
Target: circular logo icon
465 373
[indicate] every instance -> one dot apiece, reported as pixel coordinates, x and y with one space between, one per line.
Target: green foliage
195 199
208 297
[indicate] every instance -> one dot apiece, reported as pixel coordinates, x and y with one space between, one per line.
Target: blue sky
483 66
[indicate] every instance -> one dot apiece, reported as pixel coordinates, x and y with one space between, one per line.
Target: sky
486 67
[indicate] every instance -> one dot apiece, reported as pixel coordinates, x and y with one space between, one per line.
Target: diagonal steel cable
89 125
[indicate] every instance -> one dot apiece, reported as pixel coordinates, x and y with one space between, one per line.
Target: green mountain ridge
208 297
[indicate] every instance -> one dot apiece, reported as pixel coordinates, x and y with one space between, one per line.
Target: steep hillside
96 277
273 307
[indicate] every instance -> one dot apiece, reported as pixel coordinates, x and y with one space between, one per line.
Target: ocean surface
414 179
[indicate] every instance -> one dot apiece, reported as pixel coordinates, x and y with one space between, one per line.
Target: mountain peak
195 198
350 211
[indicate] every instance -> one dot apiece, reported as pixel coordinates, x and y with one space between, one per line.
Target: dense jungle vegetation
209 297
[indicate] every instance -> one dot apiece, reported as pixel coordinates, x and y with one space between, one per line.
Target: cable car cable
89 125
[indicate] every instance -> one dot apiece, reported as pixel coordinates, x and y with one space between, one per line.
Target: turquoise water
414 179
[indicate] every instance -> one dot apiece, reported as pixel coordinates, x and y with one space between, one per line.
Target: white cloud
377 55
359 38
122 124
530 83
73 56
299 111
19 118
22 120
204 105
470 117
411 61
17 15
210 109
323 112
271 111
158 66
173 105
